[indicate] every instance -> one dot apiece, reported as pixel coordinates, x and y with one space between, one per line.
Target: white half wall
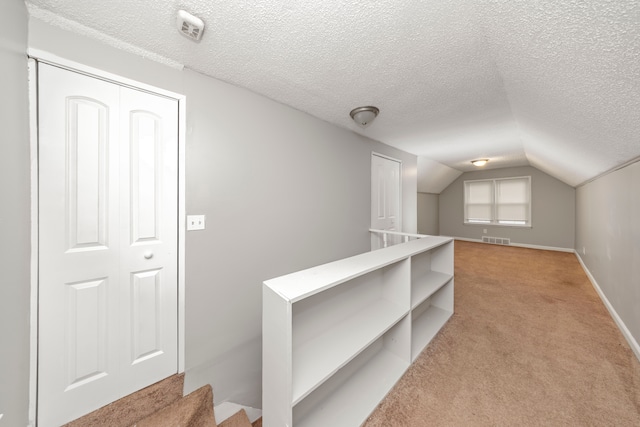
281 191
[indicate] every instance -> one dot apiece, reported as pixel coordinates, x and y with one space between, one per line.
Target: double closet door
108 217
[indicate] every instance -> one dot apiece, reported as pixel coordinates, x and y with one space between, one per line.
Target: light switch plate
195 222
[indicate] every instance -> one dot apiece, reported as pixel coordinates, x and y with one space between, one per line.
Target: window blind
503 201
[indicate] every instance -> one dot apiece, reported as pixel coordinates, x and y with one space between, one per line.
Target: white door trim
41 56
384 156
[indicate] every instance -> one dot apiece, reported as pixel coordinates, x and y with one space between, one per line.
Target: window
503 201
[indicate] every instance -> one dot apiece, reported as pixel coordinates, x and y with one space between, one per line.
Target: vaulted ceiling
554 84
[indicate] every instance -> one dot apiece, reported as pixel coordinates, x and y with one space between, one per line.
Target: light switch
195 222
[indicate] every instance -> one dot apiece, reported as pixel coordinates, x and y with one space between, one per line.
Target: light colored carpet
193 410
530 343
239 419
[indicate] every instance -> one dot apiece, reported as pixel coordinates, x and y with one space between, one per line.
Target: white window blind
479 201
504 201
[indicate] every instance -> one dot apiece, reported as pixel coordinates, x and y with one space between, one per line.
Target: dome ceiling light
363 116
480 162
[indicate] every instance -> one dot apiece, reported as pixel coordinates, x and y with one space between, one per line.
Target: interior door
107 309
385 197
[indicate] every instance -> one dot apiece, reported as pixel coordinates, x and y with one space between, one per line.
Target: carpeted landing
530 344
162 405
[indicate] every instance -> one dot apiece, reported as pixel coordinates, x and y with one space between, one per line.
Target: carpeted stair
162 405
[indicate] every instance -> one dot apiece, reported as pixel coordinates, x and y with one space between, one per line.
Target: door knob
148 255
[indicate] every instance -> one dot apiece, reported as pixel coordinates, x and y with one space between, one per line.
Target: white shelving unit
337 337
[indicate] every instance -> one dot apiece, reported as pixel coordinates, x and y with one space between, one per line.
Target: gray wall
14 216
608 240
281 190
552 210
428 214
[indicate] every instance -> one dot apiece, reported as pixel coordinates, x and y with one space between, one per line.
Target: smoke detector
189 26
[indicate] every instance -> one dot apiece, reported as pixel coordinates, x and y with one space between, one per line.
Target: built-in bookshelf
337 337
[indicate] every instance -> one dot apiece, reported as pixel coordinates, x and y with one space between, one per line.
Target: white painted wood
148 244
386 177
338 336
319 358
428 284
35 249
357 392
425 326
430 271
64 63
85 293
78 226
276 358
405 236
304 283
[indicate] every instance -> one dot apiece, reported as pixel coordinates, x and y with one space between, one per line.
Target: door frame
35 56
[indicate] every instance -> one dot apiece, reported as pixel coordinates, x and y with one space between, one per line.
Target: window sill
493 224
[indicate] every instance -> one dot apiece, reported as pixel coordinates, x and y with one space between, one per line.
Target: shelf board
425 327
359 395
302 284
427 285
317 359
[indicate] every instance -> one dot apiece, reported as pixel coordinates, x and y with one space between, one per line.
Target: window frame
494 221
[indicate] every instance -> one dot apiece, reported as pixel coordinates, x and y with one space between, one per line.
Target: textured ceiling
552 84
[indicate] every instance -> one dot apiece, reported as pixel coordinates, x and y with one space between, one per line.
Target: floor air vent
496 240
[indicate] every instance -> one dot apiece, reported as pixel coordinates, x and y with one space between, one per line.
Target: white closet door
385 195
105 318
148 239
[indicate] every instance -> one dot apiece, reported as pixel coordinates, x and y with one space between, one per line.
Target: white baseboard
522 245
227 409
623 328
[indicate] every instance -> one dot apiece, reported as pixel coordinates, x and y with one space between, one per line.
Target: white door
386 176
107 310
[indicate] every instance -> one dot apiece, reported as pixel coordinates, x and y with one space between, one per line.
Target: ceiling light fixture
480 162
364 115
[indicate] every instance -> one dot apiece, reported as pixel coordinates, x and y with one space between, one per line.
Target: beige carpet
129 409
195 409
162 405
530 343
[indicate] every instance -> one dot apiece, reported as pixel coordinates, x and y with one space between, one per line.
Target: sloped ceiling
547 83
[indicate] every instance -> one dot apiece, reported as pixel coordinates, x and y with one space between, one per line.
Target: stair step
193 410
239 419
126 411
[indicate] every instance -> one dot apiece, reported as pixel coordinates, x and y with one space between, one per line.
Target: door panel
146 325
385 197
78 260
87 143
149 221
86 332
107 195
146 158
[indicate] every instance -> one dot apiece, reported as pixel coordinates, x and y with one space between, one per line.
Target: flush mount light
479 162
364 115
